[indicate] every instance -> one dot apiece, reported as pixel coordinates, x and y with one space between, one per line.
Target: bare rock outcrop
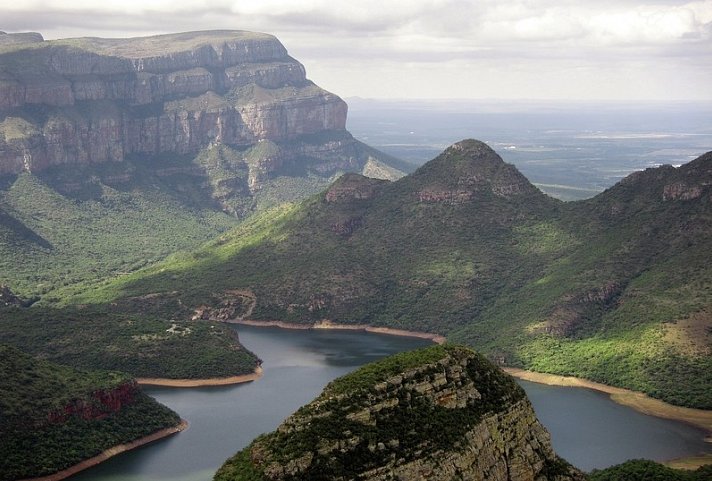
92 100
441 413
352 187
8 298
98 405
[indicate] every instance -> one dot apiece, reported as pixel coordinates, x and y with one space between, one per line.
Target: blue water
587 428
591 431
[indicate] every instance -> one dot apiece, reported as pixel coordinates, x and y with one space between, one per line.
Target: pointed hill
616 288
470 170
369 251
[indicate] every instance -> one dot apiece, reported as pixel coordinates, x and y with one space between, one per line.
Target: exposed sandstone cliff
53 417
437 414
98 404
91 100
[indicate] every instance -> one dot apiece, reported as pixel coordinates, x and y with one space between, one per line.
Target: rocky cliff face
90 100
19 38
98 405
437 414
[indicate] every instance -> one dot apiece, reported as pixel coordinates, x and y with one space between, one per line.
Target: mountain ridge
533 282
171 139
435 413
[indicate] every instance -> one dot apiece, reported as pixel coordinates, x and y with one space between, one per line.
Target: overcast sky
486 49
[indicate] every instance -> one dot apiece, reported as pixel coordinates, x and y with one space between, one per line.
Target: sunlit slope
77 224
616 288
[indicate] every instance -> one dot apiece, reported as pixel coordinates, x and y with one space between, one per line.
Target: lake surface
588 429
591 431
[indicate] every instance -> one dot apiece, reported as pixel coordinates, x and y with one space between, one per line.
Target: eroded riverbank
216 381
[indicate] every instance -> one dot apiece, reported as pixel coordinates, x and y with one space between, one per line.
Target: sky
487 49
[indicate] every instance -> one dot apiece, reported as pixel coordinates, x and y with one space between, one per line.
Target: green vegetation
32 386
616 289
52 417
410 429
76 225
144 346
371 374
65 229
644 470
239 467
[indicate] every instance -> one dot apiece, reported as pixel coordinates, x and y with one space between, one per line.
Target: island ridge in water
298 364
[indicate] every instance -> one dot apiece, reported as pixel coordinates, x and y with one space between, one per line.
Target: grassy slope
603 288
64 230
32 389
70 227
81 224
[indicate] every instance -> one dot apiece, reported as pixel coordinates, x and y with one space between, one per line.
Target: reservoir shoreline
111 452
639 401
301 362
326 324
636 400
216 381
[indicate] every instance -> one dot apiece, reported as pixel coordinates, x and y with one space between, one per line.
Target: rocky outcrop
573 311
681 191
437 414
475 172
98 405
347 227
80 101
689 182
231 305
8 298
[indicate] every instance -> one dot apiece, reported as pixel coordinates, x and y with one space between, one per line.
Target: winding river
588 429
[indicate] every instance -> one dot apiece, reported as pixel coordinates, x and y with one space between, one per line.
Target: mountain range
615 289
116 152
152 188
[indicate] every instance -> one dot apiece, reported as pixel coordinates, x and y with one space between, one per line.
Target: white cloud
552 47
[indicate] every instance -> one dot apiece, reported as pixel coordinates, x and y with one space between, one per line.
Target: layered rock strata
90 100
437 414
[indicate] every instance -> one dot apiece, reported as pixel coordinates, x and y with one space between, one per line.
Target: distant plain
570 150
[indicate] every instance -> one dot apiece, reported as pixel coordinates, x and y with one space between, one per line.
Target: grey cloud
450 32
